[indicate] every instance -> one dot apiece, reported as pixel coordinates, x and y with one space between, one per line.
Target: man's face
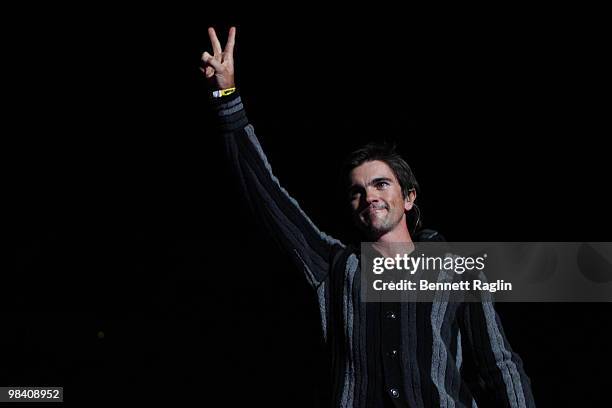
376 199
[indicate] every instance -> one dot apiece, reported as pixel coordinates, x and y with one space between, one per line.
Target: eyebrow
374 181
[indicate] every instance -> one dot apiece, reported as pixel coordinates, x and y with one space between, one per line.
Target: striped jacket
449 354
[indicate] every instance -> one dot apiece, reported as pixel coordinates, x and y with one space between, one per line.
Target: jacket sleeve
493 371
310 248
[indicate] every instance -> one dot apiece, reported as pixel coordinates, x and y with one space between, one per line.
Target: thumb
208 72
209 60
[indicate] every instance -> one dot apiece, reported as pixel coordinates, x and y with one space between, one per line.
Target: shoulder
340 255
429 235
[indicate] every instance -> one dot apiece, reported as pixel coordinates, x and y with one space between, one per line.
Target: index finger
231 40
214 41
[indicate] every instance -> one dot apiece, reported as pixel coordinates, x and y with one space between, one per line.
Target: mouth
372 210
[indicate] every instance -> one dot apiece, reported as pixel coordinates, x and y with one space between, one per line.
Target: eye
381 185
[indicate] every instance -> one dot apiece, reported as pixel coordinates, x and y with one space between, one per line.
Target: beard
377 220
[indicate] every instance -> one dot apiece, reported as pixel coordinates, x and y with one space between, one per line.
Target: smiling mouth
372 210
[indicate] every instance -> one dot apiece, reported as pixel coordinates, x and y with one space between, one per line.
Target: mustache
376 206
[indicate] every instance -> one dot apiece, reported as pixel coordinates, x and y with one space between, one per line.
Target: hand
219 67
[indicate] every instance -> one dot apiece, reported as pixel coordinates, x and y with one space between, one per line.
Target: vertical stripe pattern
439 341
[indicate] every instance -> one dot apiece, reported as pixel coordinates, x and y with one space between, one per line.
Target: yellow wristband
224 92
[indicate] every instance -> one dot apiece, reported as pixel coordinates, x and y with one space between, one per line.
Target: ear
409 200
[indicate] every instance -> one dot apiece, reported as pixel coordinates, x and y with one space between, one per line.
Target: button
390 315
392 353
394 393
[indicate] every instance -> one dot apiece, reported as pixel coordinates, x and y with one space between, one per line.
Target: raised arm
310 248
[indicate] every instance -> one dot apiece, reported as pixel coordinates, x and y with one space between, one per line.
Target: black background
136 271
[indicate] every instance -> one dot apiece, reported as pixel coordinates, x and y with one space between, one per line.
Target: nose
371 196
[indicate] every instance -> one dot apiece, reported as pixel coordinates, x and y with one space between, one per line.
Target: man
436 354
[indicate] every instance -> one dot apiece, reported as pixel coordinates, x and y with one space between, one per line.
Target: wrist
224 92
230 112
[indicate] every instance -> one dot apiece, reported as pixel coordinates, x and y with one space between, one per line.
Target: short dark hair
387 153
